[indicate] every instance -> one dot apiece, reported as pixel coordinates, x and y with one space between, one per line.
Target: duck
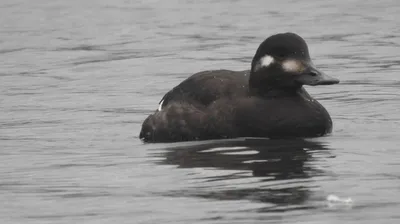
267 101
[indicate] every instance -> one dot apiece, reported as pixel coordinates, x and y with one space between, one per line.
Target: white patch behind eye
160 105
292 66
264 62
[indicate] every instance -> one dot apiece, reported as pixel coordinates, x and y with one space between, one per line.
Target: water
77 78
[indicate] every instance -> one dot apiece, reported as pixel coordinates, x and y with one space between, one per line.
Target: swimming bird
268 101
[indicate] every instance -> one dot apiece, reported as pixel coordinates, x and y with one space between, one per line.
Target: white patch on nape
292 66
264 62
160 105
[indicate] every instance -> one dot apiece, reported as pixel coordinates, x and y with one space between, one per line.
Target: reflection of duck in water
282 160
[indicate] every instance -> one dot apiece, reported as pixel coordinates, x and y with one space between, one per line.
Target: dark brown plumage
267 101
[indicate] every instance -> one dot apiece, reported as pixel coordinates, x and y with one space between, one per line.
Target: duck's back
205 87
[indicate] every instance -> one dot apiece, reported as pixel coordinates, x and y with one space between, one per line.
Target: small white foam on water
335 201
221 149
249 152
256 161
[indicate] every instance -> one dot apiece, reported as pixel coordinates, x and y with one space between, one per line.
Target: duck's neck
276 92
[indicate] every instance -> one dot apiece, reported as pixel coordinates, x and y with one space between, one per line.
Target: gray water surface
77 78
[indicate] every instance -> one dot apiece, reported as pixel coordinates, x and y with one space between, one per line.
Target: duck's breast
286 117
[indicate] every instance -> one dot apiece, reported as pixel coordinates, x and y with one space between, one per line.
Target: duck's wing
205 87
177 122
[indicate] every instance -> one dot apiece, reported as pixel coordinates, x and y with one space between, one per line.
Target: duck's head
282 61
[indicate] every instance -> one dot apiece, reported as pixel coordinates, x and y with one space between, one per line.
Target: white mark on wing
221 149
160 106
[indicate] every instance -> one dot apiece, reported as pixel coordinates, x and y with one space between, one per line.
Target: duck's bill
314 77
